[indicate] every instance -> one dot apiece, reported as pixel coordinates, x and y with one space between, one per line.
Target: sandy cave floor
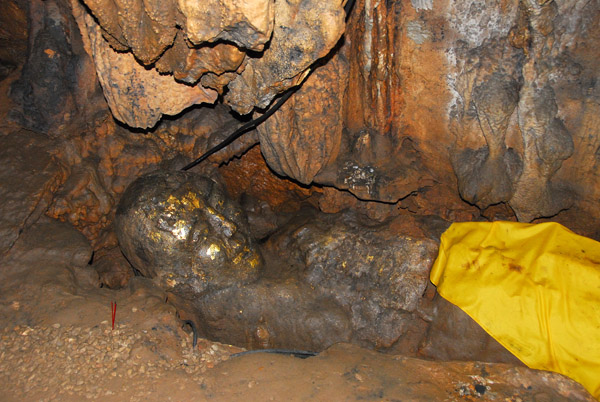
56 343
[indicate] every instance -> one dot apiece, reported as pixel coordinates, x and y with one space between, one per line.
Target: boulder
182 230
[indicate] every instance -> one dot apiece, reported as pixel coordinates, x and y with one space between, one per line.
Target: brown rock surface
488 175
53 242
248 24
382 153
150 30
500 95
547 142
13 37
251 175
136 95
104 158
191 39
147 27
346 372
302 137
304 32
179 35
189 65
427 107
30 175
113 269
180 229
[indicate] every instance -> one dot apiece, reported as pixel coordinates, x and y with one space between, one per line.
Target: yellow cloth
535 288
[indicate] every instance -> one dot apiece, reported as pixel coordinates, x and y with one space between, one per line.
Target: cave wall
407 107
493 102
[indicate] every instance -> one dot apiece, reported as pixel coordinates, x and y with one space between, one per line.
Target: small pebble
83 362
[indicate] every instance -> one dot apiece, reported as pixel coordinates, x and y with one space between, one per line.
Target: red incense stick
113 308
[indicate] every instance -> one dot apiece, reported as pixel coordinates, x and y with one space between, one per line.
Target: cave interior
194 194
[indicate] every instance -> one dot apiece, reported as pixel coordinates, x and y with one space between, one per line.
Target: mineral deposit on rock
181 229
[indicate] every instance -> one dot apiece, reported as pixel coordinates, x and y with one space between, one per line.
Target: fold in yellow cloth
535 288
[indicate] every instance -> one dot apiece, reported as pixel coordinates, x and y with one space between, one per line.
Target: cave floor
57 343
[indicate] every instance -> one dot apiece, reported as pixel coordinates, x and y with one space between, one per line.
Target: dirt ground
57 342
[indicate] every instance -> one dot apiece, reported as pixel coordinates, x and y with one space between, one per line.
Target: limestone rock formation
488 175
503 96
521 78
182 229
376 275
149 27
251 176
57 84
247 24
13 37
304 32
141 49
301 137
409 114
530 54
113 269
326 279
215 63
136 95
29 176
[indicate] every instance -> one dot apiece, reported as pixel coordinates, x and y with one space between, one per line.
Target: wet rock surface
183 230
502 96
402 102
328 278
376 275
